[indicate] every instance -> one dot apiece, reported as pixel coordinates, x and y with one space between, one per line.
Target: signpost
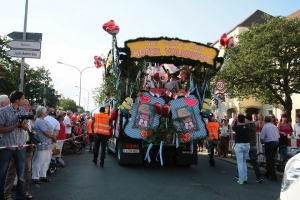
220 85
29 36
24 53
24 45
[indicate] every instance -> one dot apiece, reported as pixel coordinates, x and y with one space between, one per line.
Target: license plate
131 151
186 152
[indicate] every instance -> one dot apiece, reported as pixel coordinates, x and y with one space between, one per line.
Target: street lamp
80 71
84 101
88 98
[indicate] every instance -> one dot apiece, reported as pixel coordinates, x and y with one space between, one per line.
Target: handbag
33 138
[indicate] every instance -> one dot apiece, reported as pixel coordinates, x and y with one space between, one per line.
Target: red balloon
113 113
97 64
113 30
165 110
107 24
157 108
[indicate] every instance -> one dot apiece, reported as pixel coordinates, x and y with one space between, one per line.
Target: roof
294 15
256 17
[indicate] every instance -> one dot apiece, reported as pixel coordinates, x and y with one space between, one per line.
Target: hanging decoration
226 42
98 61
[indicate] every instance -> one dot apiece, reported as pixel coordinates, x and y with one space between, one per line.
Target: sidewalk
232 160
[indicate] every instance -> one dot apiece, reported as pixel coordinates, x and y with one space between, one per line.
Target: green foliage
35 78
68 104
265 64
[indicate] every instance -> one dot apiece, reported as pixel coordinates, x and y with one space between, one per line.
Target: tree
34 78
266 63
68 104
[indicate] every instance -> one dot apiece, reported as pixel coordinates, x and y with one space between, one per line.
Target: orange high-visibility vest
90 126
101 124
213 130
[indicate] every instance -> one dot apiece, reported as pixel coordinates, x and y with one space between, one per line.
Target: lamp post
88 98
80 71
84 101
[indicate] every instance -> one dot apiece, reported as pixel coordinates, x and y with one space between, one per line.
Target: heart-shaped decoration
97 64
107 24
190 102
113 30
186 137
113 113
144 99
157 108
165 110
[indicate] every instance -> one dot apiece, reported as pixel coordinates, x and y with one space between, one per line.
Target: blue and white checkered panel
131 129
199 130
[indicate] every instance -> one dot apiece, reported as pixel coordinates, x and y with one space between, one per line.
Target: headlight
291 174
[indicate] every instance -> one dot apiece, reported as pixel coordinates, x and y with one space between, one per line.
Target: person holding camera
11 174
11 128
43 153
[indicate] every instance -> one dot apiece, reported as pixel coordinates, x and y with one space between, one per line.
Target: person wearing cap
253 148
156 82
51 118
242 146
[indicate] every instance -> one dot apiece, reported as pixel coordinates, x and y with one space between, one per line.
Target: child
57 155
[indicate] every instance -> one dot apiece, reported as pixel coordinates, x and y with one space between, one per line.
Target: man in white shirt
67 122
4 101
156 82
55 124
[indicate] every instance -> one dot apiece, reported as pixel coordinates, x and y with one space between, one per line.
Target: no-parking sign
220 85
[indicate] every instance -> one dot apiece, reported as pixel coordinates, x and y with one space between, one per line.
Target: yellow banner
177 48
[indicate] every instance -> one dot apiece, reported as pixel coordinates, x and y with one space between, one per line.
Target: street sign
220 85
24 53
24 45
29 36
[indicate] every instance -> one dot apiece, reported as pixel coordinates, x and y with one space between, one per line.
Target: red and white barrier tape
31 145
294 142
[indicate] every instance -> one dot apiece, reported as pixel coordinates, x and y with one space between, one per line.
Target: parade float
157 124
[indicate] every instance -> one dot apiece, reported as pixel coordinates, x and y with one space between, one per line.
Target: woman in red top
285 129
259 123
62 132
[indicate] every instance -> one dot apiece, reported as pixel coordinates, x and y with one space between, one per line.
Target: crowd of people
18 120
273 134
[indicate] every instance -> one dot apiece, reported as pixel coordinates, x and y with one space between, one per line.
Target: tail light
131 146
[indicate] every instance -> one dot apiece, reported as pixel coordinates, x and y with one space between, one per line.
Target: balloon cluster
111 28
98 61
226 42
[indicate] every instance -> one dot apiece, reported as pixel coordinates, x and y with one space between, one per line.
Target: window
270 111
297 111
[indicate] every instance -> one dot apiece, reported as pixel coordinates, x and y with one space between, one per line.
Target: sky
72 30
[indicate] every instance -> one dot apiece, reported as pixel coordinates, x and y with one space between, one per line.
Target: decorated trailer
154 122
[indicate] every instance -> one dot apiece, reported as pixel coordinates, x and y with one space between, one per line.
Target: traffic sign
24 53
220 85
29 36
24 45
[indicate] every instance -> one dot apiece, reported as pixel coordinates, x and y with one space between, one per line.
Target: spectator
55 124
62 132
254 117
4 101
42 156
274 120
269 136
224 138
242 146
260 123
253 148
285 129
56 153
12 134
11 174
67 122
91 136
297 126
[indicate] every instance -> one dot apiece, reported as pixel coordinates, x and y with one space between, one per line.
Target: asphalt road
82 179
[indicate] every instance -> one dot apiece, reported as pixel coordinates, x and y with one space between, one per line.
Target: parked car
290 182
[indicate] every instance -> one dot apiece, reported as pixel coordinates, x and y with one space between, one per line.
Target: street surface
82 179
